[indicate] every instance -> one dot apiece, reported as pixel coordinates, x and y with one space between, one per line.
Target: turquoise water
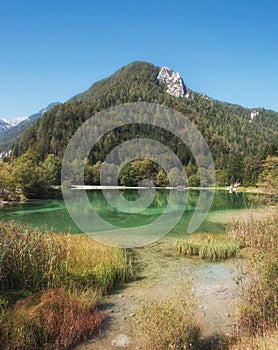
53 213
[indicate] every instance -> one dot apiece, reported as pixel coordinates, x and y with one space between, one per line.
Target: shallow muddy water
163 272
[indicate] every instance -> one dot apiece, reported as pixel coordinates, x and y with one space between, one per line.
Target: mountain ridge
10 135
230 130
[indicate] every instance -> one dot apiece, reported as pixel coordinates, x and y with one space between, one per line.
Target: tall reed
30 259
96 265
33 259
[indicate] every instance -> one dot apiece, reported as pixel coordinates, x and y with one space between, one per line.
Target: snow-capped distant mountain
6 124
14 121
10 130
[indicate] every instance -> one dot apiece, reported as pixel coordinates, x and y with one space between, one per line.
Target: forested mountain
239 138
10 135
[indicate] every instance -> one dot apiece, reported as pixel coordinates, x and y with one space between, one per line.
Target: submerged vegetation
51 284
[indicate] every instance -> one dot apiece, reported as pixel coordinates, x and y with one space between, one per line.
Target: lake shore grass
210 246
51 285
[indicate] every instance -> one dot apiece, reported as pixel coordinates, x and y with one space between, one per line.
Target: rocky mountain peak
174 82
4 125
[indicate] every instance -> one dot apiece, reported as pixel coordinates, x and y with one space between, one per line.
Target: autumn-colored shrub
55 319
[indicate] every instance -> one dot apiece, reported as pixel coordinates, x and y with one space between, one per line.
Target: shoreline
182 188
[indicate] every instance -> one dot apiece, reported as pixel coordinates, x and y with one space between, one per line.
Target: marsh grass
95 265
211 246
167 323
51 284
30 259
255 233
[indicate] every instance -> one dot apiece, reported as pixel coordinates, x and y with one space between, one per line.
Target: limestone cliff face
174 82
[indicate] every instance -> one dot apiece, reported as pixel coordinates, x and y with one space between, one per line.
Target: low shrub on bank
211 246
167 323
53 319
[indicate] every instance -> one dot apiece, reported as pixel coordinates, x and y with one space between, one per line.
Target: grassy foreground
170 323
51 285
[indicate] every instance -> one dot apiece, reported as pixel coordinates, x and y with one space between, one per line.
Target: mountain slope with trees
10 136
239 138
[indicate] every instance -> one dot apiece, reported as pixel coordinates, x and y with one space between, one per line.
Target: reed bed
30 259
50 286
34 260
210 246
255 233
95 265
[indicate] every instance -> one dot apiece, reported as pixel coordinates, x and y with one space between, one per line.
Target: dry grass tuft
167 323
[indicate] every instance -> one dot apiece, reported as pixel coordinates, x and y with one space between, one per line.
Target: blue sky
52 50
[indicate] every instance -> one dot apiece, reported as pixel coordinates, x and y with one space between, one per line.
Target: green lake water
53 213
